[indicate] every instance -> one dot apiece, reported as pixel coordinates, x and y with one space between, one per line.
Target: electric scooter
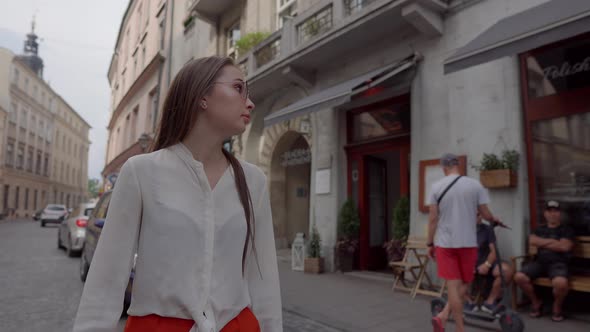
509 320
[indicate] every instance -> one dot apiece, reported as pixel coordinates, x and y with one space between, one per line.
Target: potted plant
314 263
496 172
348 227
396 247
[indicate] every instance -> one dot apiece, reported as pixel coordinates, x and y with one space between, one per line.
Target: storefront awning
340 93
544 24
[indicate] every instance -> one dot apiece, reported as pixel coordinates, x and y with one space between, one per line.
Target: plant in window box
314 263
496 172
396 247
312 27
348 244
249 40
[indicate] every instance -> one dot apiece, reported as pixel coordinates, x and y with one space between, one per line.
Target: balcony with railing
268 50
353 6
210 9
320 22
331 29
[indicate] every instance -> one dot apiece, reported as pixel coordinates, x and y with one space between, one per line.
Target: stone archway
289 177
272 135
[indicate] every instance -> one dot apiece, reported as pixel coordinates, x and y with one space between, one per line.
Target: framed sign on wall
430 172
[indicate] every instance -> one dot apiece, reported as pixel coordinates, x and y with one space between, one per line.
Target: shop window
561 150
385 120
16 197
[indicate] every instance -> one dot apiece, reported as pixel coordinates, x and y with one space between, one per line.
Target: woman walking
199 219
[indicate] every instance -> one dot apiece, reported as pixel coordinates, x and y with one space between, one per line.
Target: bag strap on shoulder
447 189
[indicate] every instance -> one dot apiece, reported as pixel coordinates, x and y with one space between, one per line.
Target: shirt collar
185 154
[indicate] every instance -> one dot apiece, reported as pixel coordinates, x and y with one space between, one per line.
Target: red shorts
456 263
244 322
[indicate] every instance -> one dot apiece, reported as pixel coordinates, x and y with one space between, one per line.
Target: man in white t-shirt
454 202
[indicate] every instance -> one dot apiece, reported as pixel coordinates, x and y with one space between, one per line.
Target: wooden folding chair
432 289
407 264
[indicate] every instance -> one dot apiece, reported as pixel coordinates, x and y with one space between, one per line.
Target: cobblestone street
41 289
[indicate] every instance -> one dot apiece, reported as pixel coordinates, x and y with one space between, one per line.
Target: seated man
487 265
554 243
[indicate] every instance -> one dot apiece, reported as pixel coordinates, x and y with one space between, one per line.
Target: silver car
54 214
72 231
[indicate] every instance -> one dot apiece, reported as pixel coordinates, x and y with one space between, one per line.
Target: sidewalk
350 303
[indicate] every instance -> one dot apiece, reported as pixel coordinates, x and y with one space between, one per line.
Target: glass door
377 209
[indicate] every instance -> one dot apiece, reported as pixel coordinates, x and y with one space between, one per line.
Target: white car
53 214
72 230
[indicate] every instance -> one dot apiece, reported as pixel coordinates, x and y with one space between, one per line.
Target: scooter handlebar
500 224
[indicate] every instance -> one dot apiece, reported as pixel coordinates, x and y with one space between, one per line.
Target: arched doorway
290 171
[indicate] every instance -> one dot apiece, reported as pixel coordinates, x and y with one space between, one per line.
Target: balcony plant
188 22
249 40
499 172
312 27
348 243
400 224
314 263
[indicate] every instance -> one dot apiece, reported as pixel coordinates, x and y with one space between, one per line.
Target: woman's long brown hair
179 114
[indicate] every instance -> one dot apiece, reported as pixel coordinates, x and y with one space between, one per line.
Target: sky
77 38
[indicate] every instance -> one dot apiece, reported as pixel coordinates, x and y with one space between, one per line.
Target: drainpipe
169 59
218 32
171 42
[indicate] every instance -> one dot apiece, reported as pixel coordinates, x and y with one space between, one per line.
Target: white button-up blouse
189 240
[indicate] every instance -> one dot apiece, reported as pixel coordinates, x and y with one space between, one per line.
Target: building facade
69 173
229 22
44 141
136 70
156 38
358 99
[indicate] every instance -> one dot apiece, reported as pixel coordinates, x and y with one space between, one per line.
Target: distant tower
31 52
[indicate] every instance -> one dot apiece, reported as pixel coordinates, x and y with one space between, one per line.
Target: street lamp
144 141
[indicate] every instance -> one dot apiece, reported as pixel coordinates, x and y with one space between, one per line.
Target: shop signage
566 69
296 157
322 181
559 69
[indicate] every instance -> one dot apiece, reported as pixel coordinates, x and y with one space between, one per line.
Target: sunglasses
240 86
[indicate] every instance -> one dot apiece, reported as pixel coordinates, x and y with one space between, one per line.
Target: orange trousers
244 322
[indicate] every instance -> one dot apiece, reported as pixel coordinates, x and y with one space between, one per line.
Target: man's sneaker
489 308
472 307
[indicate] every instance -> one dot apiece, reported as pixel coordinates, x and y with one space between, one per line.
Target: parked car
72 231
37 215
93 230
53 214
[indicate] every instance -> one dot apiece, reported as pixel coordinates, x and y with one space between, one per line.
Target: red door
367 185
